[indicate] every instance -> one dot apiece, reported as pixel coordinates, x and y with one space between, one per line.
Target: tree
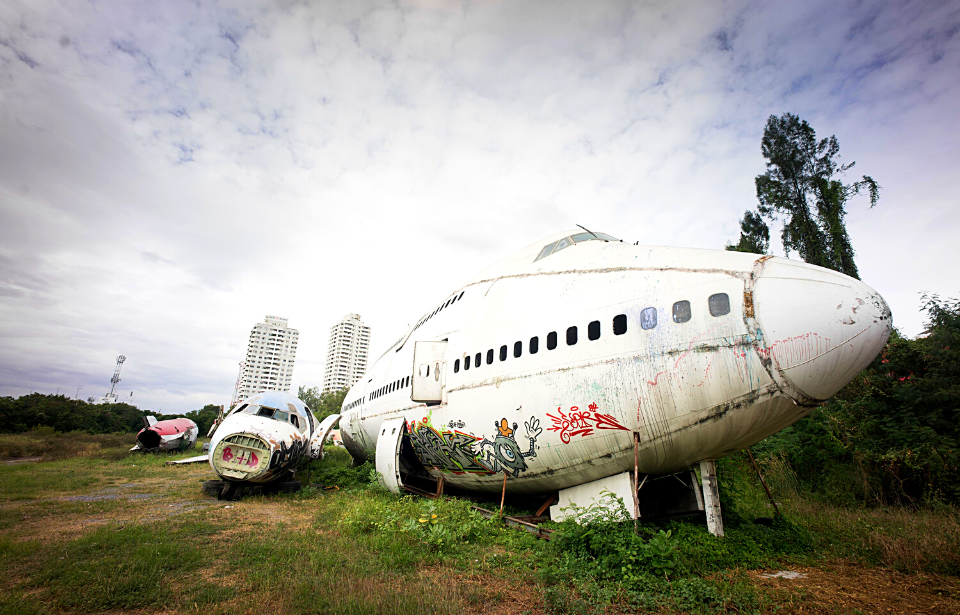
754 235
322 404
204 417
801 183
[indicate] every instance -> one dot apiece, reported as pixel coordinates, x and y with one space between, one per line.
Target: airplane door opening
428 369
397 463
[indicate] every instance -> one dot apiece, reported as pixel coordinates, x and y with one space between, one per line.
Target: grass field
99 530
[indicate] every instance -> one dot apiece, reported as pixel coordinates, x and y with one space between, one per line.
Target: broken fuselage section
265 438
168 435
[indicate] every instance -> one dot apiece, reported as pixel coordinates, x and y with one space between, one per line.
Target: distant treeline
892 436
63 414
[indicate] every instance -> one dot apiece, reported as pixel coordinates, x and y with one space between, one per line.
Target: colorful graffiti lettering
227 454
458 452
578 422
448 451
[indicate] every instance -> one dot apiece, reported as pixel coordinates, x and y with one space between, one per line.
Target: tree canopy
322 404
802 184
64 414
754 235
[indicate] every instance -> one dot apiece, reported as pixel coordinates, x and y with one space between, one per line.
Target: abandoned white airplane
168 435
263 440
582 363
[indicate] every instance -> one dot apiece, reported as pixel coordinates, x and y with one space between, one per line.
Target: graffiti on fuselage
287 456
459 452
582 423
503 454
448 451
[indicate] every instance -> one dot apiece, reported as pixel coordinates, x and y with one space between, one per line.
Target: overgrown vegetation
62 414
322 404
127 533
48 444
892 435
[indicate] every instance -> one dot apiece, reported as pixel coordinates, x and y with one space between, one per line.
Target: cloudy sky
170 172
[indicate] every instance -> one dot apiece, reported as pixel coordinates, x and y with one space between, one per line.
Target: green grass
77 536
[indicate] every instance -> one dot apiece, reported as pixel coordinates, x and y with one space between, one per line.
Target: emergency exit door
428 368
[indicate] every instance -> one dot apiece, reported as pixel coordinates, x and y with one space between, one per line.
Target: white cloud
171 172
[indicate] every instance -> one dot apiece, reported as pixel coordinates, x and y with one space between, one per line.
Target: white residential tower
270 356
346 353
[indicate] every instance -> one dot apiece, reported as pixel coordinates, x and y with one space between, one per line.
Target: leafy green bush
336 469
442 525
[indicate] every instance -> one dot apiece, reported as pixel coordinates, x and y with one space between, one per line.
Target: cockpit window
556 246
547 249
563 243
273 413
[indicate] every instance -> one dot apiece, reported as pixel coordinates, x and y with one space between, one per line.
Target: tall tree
801 183
754 235
322 404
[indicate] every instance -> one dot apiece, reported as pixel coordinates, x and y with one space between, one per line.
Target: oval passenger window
719 304
648 318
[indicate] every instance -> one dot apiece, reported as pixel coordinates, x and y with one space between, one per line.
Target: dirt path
841 587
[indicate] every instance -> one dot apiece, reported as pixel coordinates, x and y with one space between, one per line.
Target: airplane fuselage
546 368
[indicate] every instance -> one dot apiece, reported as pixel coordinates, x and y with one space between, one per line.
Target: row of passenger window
396 385
352 404
718 304
449 302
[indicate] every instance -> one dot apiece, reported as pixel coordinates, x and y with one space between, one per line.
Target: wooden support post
756 468
711 497
545 505
440 486
503 495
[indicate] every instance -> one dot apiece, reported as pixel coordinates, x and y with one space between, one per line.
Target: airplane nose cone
818 328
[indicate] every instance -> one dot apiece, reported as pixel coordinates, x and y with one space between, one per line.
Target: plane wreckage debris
258 446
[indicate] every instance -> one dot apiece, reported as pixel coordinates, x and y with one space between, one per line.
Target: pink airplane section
169 435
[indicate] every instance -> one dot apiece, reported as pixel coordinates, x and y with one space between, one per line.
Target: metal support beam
636 482
711 497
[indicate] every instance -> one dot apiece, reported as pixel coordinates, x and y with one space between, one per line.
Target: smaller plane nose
819 328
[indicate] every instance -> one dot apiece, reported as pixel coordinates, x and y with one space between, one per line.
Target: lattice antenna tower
116 376
236 387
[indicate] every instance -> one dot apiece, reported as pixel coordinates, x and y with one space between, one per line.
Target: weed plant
674 564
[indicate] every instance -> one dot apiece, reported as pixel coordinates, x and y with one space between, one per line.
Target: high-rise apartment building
346 353
270 356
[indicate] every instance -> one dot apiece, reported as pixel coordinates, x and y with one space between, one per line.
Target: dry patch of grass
842 587
52 445
897 538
